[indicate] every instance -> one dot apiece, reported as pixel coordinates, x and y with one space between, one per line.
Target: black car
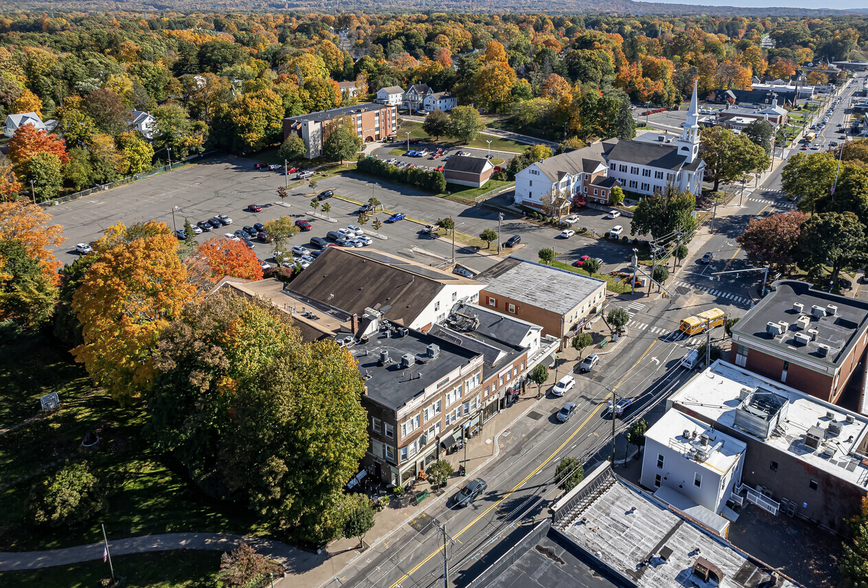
242 234
513 241
365 208
319 242
204 225
470 492
707 258
325 194
180 234
215 222
259 227
250 230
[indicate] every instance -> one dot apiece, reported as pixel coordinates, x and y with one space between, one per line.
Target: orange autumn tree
29 141
29 224
10 187
227 257
128 296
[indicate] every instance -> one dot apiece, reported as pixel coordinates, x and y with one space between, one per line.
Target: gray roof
539 285
419 88
463 163
16 120
840 331
324 115
394 386
572 162
440 95
604 182
393 89
651 155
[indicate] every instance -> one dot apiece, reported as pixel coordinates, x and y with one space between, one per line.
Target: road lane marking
621 381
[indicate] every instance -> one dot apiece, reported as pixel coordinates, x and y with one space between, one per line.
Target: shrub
67 497
427 180
438 472
245 567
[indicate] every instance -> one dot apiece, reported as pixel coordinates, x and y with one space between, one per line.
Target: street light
499 220
408 140
169 155
174 208
489 148
33 190
454 226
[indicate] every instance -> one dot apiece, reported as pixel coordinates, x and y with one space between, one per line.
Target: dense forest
226 81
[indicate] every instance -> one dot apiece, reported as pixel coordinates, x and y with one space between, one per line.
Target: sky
838 5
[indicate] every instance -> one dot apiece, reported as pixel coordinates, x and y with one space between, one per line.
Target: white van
690 360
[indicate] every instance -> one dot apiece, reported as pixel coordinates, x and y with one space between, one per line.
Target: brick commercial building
557 300
372 122
811 340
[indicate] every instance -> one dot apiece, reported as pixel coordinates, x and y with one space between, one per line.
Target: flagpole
107 553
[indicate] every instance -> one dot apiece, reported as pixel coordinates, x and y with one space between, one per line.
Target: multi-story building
370 121
444 101
414 97
558 300
811 340
391 95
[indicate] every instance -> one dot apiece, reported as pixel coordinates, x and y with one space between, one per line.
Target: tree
438 472
377 224
538 376
488 235
326 208
728 156
636 434
189 234
46 172
69 496
136 153
616 196
10 187
436 124
665 213
729 324
464 123
292 149
27 101
618 318
312 184
582 340
342 143
681 252
773 240
494 83
363 219
760 132
547 255
591 266
27 294
832 239
446 223
282 193
28 142
360 520
282 229
254 121
30 224
106 109
660 274
244 567
809 178
127 296
314 203
375 204
854 563
227 257
569 473
173 129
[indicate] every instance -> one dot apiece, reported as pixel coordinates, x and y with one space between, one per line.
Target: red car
439 168
291 170
498 168
260 165
254 208
581 261
303 225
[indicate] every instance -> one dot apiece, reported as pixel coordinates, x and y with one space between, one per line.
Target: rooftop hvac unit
802 338
785 326
813 333
831 310
773 329
384 358
830 415
813 437
407 360
823 349
802 322
818 311
703 439
850 419
685 434
835 428
433 351
798 307
829 451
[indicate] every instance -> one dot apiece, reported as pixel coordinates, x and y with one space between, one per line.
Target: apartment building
371 122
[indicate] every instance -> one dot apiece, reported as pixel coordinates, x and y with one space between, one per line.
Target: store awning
448 441
549 361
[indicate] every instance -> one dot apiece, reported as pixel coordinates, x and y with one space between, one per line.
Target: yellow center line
726 265
624 377
505 496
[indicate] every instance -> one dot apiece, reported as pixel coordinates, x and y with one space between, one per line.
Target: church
638 167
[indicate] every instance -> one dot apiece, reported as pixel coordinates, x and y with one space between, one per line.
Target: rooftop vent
685 434
384 358
773 329
850 419
802 322
798 307
433 351
835 428
407 360
813 333
802 338
818 311
829 451
823 349
830 415
785 326
831 310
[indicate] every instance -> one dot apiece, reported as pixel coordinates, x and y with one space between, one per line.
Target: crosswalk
725 295
788 205
636 325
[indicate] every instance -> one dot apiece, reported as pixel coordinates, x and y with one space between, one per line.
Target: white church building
636 166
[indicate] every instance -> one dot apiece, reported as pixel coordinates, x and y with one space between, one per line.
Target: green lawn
497 143
166 569
613 284
468 195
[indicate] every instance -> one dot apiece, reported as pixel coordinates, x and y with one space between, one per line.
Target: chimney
354 324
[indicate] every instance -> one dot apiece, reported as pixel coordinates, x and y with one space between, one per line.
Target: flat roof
324 115
540 285
717 392
623 526
669 431
839 331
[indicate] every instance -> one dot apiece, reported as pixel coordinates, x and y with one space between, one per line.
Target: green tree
569 473
292 149
69 496
436 124
616 197
446 223
488 235
79 171
729 324
681 252
702 350
438 472
342 143
538 376
312 184
592 266
618 318
27 296
728 156
760 132
832 239
46 171
809 178
360 520
464 124
189 234
547 255
581 341
67 327
376 204
174 130
854 563
327 208
636 434
244 567
773 240
314 203
281 230
665 213
377 224
363 219
660 274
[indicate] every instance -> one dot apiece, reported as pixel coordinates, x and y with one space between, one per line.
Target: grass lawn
480 142
613 284
496 161
166 569
468 195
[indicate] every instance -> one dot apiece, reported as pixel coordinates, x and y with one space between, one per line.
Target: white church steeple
688 143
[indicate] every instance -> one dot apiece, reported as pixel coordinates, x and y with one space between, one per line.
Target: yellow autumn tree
27 102
495 53
494 83
557 87
29 224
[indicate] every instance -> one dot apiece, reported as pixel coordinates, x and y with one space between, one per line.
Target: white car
197 230
224 218
346 233
564 385
364 240
462 272
573 218
616 230
567 233
299 250
464 153
613 214
83 248
232 236
357 230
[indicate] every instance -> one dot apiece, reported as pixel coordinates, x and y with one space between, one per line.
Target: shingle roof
572 162
16 120
651 155
393 90
324 115
462 163
420 88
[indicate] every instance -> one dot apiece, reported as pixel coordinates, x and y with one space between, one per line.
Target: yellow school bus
698 323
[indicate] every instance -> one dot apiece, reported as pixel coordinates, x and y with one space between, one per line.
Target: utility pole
499 220
285 174
445 557
169 155
708 342
614 407
33 190
108 554
453 244
635 261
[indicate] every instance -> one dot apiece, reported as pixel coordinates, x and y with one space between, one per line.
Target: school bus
810 136
698 323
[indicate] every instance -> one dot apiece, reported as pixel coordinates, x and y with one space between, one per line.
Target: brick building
557 300
467 171
811 340
371 121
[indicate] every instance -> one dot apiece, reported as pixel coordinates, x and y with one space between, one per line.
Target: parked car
248 242
291 170
613 214
300 250
567 233
464 153
242 234
470 492
250 230
356 229
325 194
333 236
180 234
396 217
345 241
304 175
274 166
231 236
513 241
215 222
264 237
707 258
620 407
462 272
259 227
303 225
254 208
581 261
565 384
573 218
616 230
319 242
197 230
260 165
205 226
364 240
589 363
83 248
224 218
366 208
567 412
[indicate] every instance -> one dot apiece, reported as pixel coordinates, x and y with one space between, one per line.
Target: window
658 175
741 356
530 182
390 453
813 485
632 183
657 480
622 167
646 173
522 365
390 431
595 191
659 461
436 306
586 189
454 296
645 187
697 480
511 308
634 170
426 415
668 177
773 466
376 424
492 302
784 372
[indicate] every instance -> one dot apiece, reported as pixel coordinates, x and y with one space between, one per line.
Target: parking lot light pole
489 148
285 175
174 208
499 220
169 155
408 140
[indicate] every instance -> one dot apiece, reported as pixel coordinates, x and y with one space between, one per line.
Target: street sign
50 401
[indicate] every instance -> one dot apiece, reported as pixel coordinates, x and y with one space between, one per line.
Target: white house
444 101
13 121
414 97
349 89
692 466
144 123
392 95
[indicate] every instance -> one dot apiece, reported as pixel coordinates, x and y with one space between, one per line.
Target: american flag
104 555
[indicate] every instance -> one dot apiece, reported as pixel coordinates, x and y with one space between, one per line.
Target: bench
422 496
603 343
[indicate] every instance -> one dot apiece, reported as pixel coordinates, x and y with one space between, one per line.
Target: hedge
427 180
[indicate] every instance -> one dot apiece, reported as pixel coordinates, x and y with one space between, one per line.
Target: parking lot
428 162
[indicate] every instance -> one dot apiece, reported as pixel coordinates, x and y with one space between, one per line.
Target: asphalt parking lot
428 161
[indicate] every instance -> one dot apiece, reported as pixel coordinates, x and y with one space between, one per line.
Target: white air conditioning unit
823 349
813 333
798 307
850 419
773 329
831 310
802 338
829 451
785 326
802 322
818 311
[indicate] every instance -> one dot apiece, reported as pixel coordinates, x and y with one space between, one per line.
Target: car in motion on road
589 363
513 241
396 217
620 406
565 384
707 258
567 233
470 492
567 412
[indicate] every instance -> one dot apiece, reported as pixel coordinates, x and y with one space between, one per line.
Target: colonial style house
392 95
414 97
349 89
444 101
13 121
143 122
